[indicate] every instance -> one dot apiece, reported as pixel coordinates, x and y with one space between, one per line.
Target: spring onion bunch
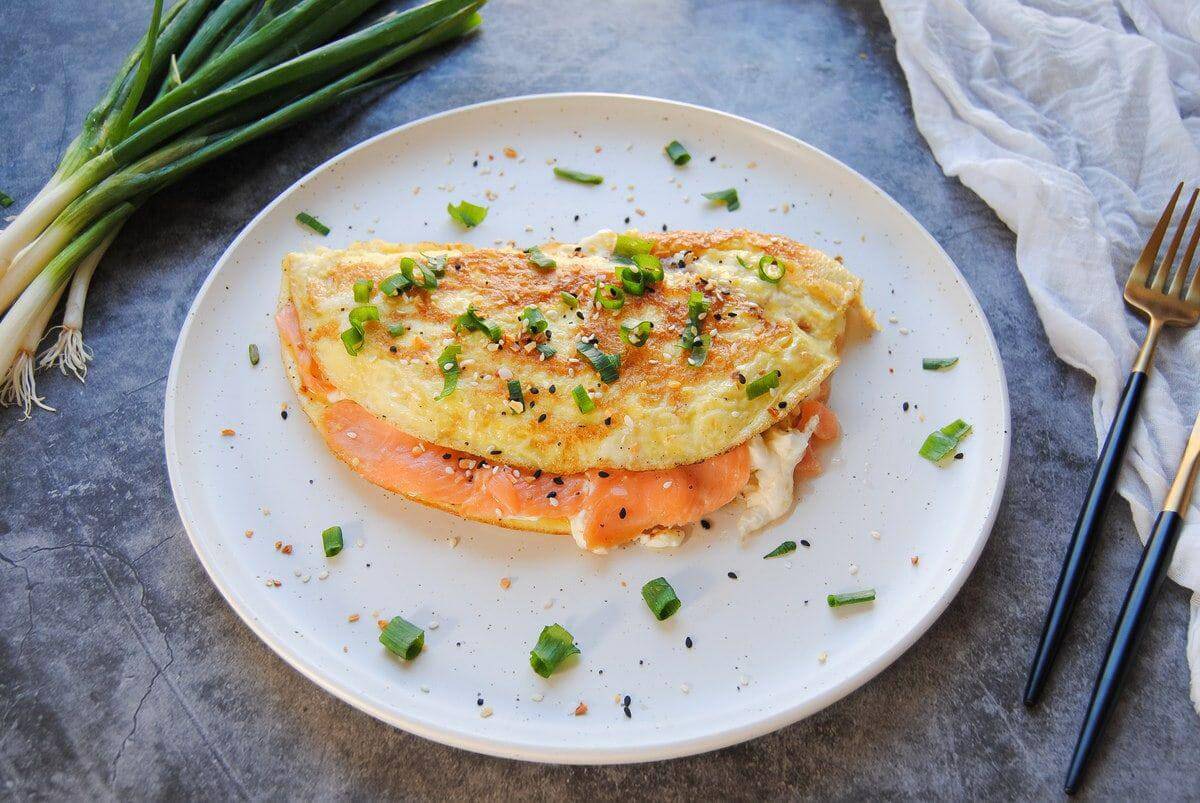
207 77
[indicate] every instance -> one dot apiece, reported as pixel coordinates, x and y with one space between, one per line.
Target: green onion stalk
207 77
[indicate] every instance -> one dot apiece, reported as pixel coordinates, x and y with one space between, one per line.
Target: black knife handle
1083 540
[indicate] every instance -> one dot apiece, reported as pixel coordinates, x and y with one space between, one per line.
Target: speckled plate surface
766 649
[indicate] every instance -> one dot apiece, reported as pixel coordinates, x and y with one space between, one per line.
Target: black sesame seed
283 414
628 714
392 349
783 405
804 543
495 452
475 163
731 575
552 494
541 418
904 407
603 473
608 421
664 227
712 158
628 700
687 642
551 388
446 456
577 218
479 701
958 456
537 474
622 513
558 480
705 523
627 221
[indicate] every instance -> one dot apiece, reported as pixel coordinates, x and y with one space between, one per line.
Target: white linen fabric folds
1074 120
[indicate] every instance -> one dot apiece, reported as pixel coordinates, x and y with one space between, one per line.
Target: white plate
767 649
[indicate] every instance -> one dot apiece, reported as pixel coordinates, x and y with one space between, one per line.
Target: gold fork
1148 291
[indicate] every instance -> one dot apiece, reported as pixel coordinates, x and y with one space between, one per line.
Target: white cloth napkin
1074 120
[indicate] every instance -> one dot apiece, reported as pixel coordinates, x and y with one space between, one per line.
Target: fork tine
1169 259
1141 268
1193 291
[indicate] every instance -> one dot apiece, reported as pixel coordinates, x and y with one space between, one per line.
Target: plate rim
567 754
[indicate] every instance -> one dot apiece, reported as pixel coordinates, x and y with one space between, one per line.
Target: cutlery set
1167 298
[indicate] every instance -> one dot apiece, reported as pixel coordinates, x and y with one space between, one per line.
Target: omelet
617 388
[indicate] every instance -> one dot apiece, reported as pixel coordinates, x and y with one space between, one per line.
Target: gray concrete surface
124 675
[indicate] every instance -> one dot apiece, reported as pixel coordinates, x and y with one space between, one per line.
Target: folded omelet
620 387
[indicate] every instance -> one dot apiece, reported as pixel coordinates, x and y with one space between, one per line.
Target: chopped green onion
761 385
937 363
661 598
471 321
253 354
395 284
782 549
538 258
403 638
362 291
728 197
576 175
448 363
354 337
409 268
437 264
770 269
546 350
331 539
396 329
650 265
691 338
699 350
941 443
468 214
628 245
534 320
582 400
514 392
554 646
314 224
636 336
605 364
6 199
570 299
852 598
632 279
677 153
610 297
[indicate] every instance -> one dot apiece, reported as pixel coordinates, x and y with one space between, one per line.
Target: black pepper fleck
804 543
958 456
705 523
622 513
687 642
283 414
904 407
731 575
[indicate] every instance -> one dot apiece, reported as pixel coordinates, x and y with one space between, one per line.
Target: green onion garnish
395 284
314 224
471 321
570 299
576 175
699 350
761 385
448 363
782 549
437 264
6 199
650 265
253 354
941 443
770 269
937 363
354 337
554 646
468 214
546 350
534 320
409 268
628 245
610 297
331 539
632 279
728 197
514 392
396 329
362 291
691 339
403 638
542 261
661 598
677 153
605 364
636 336
582 400
852 598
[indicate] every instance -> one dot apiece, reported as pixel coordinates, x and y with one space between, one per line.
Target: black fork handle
1083 540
